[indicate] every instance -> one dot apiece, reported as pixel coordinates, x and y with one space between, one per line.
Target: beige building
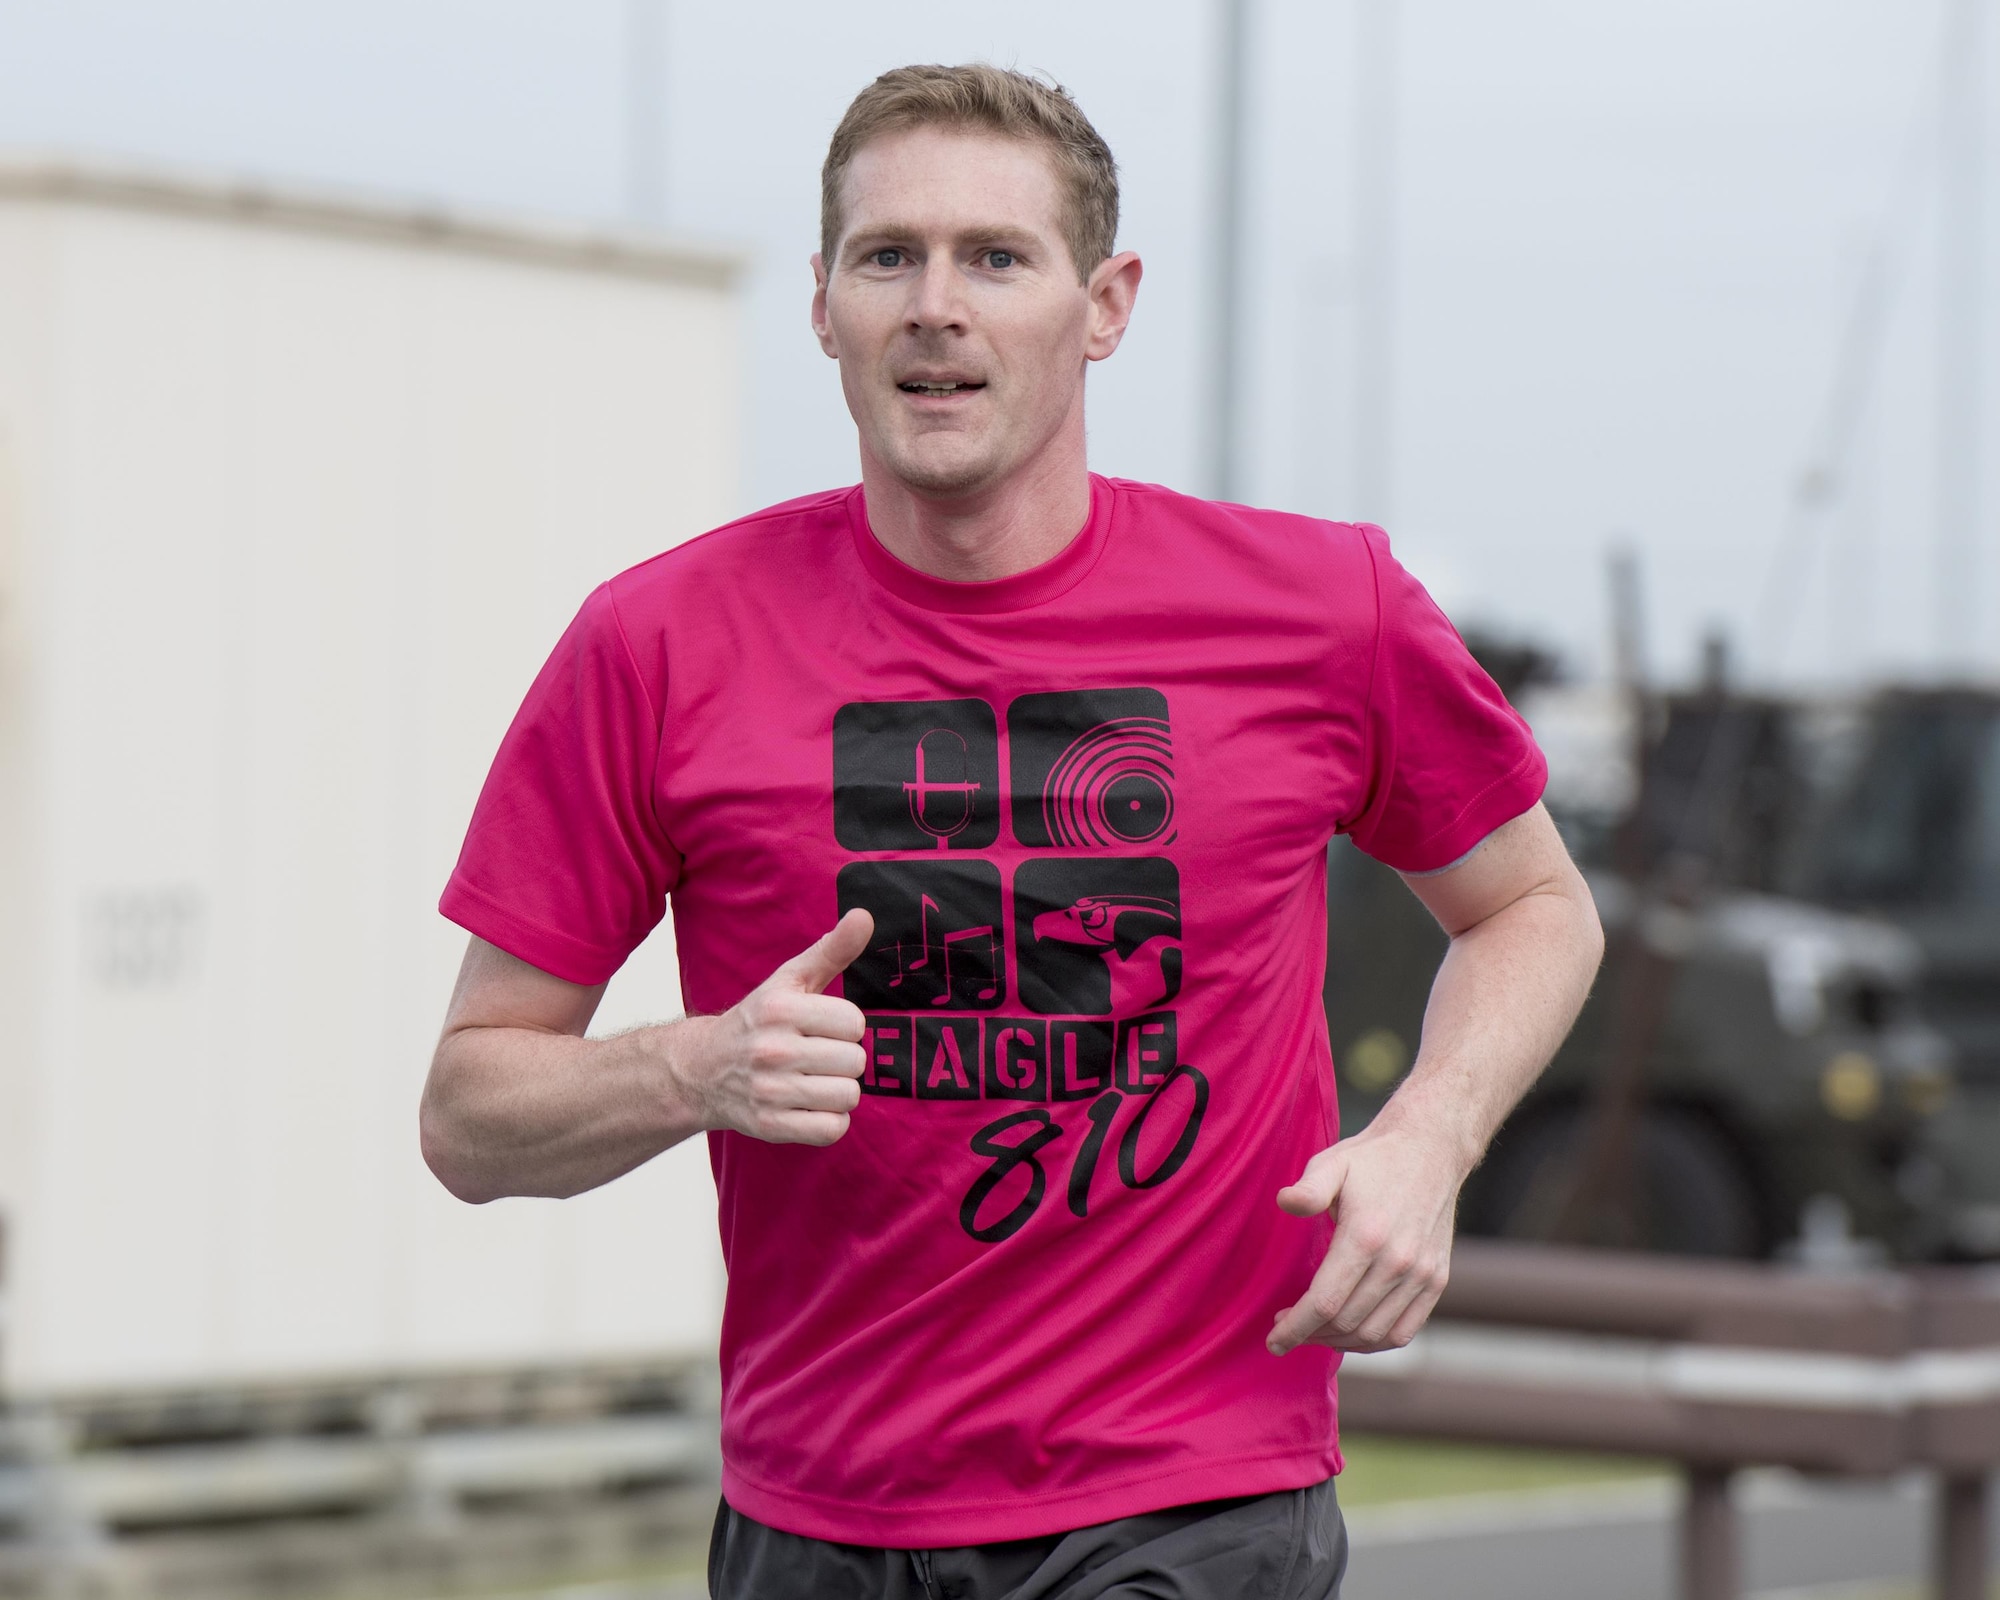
295 494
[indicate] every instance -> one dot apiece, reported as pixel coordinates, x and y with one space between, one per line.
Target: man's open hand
1393 1195
784 1063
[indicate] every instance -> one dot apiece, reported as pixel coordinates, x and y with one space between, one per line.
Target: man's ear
822 329
1113 289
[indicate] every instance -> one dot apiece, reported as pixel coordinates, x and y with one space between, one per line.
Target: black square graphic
916 775
1017 1058
1080 1059
1148 1051
947 1058
1097 937
885 1046
937 942
1091 769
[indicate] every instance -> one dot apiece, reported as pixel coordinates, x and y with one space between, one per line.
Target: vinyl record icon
1092 769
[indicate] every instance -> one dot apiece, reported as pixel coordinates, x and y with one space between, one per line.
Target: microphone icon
941 798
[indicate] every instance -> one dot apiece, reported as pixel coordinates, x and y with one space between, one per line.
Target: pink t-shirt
1089 807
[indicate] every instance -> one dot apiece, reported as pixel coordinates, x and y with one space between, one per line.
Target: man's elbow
1589 926
443 1144
458 1179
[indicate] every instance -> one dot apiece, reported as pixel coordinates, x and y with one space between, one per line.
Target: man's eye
887 258
1000 260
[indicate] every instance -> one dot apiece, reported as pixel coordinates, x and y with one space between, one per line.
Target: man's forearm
1525 943
1504 997
519 1111
519 1102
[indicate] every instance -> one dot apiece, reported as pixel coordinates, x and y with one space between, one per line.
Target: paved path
1802 1541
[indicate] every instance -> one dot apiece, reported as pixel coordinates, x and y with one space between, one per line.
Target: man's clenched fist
784 1063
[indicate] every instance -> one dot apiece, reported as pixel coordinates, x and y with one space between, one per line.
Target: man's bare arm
518 1102
1525 943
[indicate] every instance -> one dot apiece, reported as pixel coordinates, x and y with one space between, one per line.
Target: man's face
955 311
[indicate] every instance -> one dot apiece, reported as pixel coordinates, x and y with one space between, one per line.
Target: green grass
1381 1470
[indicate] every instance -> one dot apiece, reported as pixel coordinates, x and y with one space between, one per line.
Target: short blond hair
987 99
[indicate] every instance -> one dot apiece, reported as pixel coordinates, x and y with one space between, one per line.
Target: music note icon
980 946
940 934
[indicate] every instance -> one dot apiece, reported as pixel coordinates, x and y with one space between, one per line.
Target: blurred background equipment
1803 976
297 490
1803 960
1910 835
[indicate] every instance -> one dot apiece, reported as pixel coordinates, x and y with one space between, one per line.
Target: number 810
1043 1130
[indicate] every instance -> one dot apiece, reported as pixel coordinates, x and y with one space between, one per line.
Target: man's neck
991 533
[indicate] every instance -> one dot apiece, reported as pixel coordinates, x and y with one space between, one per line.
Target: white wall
301 516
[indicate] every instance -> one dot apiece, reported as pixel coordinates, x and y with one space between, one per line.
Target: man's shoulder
760 541
1259 532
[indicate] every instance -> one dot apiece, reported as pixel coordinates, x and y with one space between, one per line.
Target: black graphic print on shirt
937 944
1058 984
1092 768
1081 1022
916 775
1097 937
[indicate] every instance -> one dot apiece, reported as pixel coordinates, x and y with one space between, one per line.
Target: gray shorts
1286 1546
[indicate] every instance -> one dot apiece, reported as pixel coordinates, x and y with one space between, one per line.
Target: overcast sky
1628 235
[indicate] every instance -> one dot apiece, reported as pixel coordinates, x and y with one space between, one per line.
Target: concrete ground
1802 1540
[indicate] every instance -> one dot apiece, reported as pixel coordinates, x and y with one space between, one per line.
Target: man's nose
937 299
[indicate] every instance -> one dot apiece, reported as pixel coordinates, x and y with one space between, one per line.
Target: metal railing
1718 1366
387 1474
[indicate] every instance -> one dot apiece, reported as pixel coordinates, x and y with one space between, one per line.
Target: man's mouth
926 386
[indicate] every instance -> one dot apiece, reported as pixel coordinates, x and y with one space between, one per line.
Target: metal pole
645 157
1708 1536
1225 469
1958 1556
1374 254
1960 222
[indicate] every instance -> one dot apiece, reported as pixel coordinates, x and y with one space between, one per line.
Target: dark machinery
1910 835
1752 1066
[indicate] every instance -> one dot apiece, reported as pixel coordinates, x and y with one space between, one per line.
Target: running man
991 799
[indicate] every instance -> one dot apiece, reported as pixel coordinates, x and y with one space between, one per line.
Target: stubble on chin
942 474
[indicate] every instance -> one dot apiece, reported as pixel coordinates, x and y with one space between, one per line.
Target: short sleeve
565 864
1448 760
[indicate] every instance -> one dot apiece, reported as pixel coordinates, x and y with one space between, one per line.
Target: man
1040 1245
